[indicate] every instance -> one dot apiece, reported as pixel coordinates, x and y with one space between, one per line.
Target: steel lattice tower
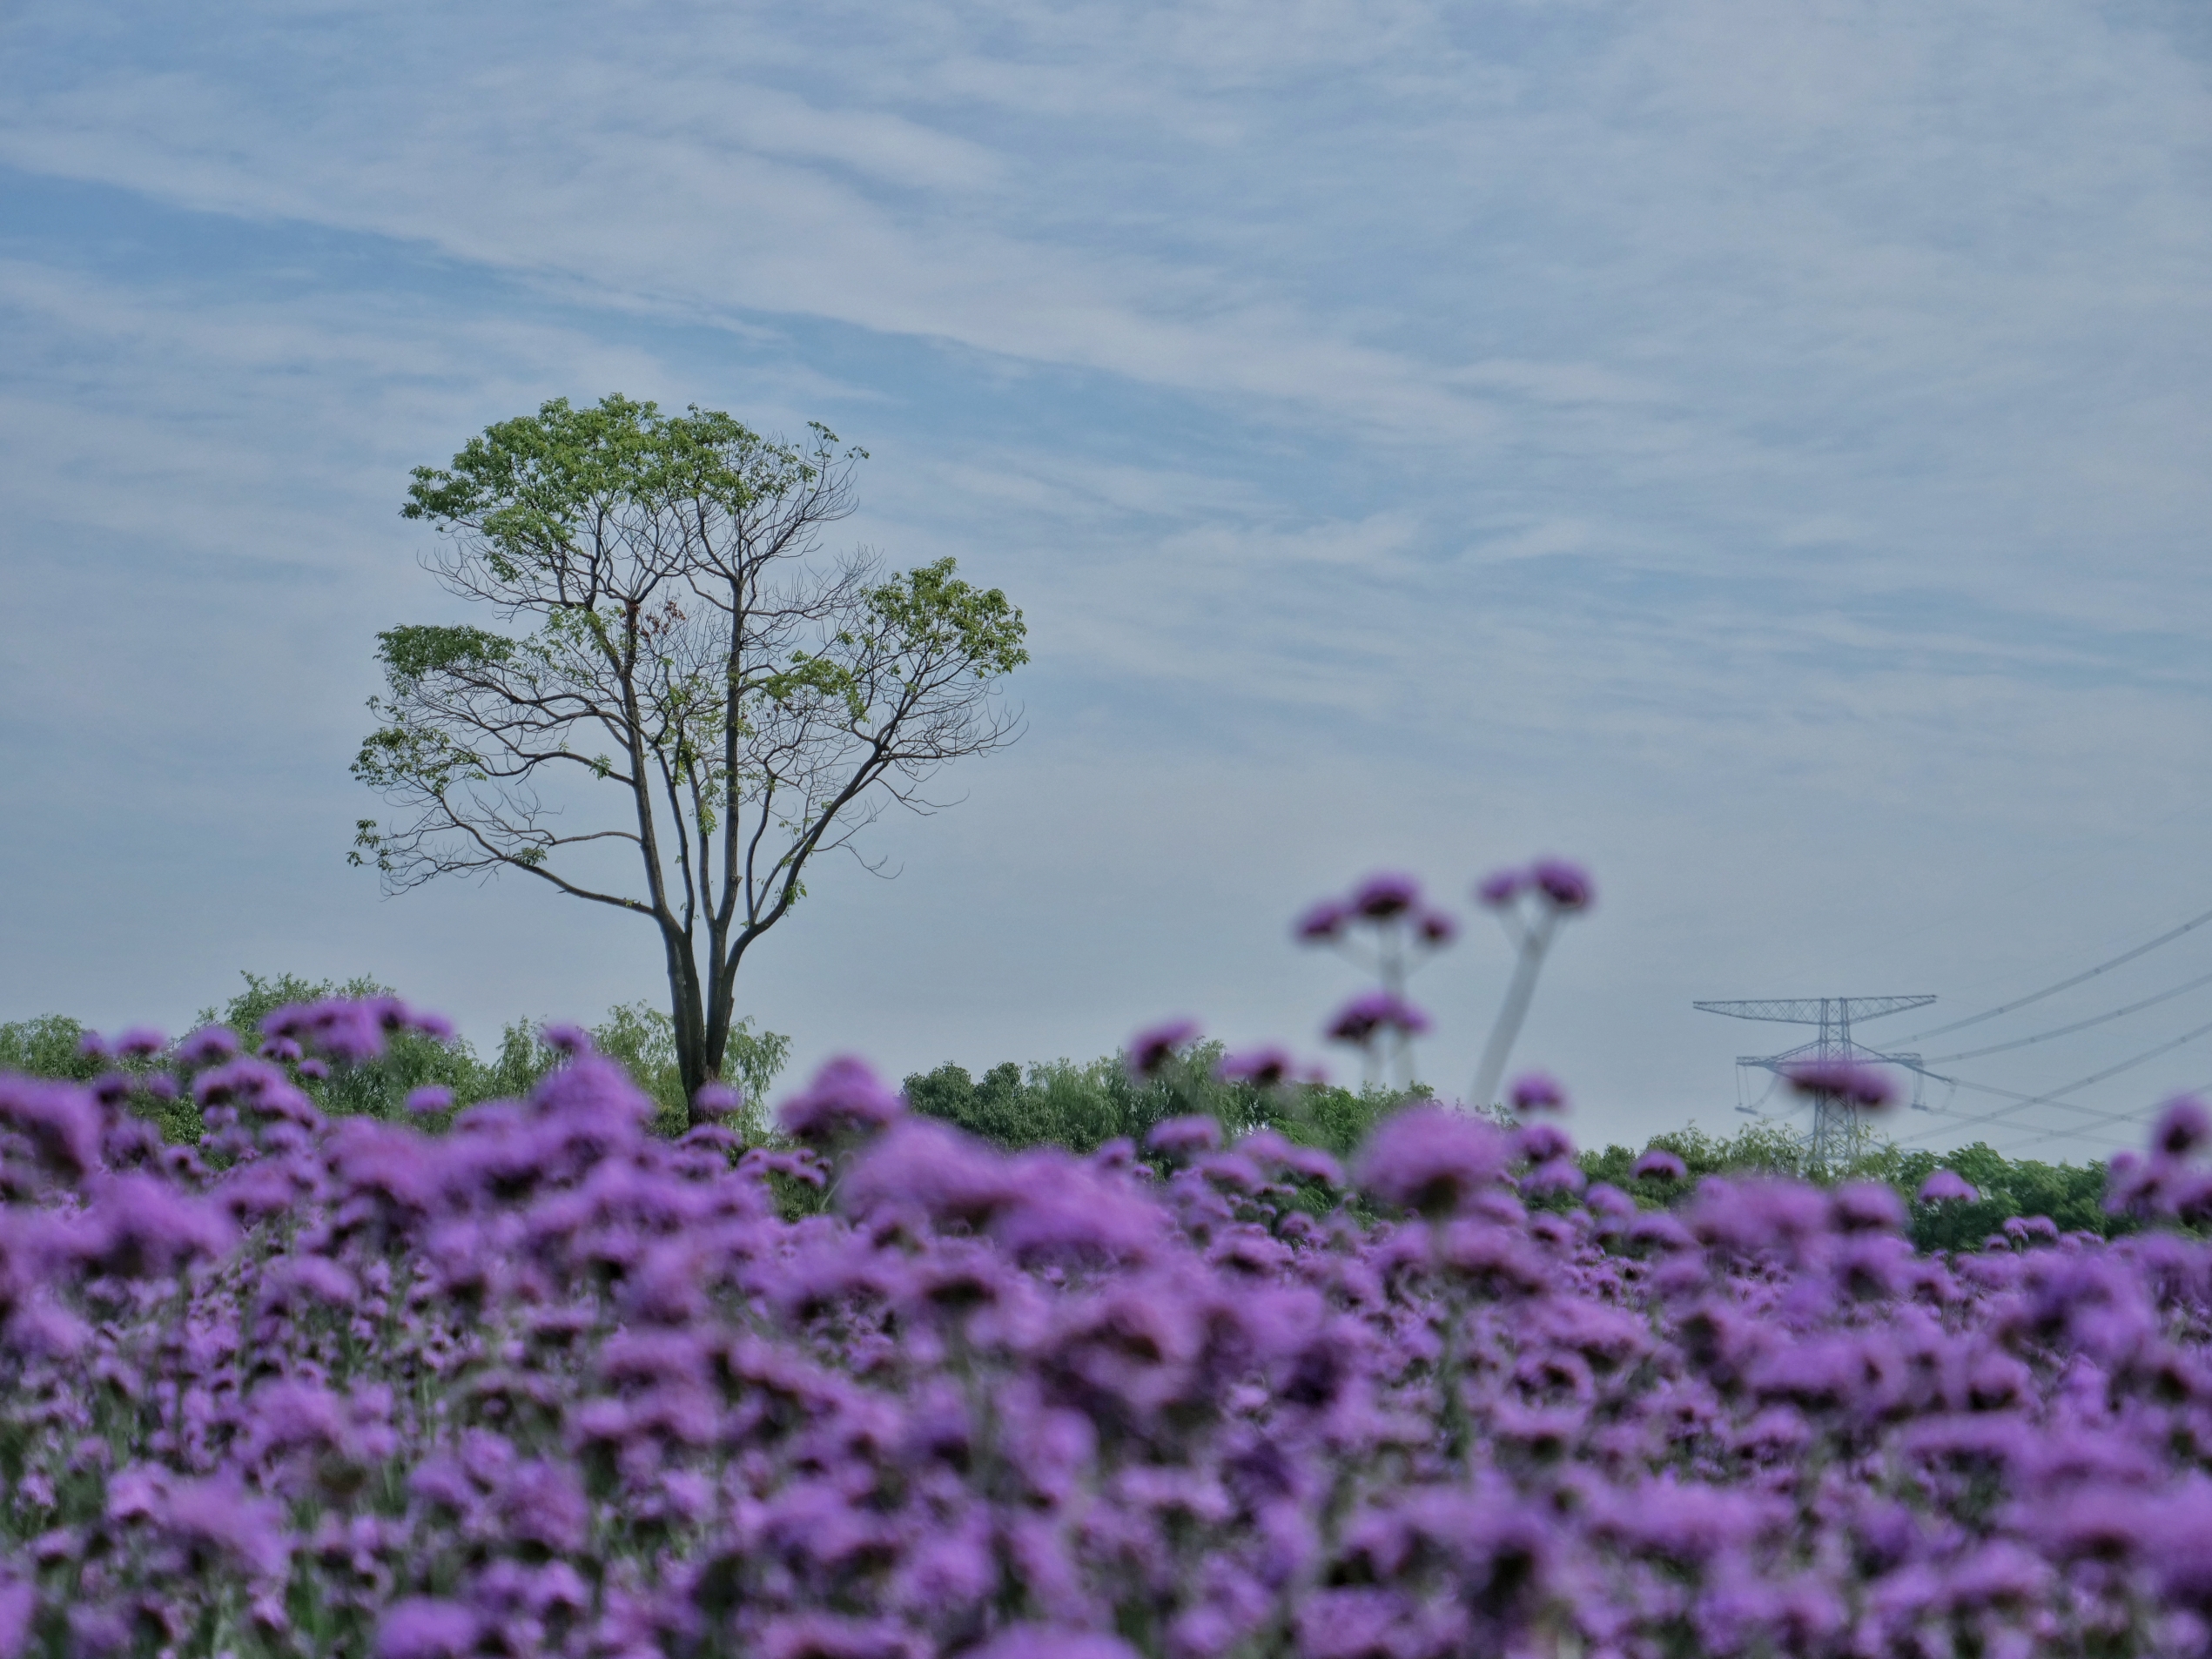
1838 1132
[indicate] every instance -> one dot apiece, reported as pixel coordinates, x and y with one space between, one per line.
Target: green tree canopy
685 704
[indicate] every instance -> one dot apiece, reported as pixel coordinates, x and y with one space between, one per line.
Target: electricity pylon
1839 1131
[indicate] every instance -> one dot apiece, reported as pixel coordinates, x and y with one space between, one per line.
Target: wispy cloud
1767 442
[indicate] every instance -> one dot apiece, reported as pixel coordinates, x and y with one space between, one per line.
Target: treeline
639 1036
1081 1105
2071 1195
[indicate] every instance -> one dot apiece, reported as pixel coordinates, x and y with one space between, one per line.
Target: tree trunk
693 1062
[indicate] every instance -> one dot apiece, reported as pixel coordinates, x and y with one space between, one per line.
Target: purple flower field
547 1383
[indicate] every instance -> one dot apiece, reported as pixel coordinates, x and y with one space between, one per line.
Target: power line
2079 1025
2193 923
2012 1146
2055 1096
2134 1117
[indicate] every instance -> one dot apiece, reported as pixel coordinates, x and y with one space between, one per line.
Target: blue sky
1761 451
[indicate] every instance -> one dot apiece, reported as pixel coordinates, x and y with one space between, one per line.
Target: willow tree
686 703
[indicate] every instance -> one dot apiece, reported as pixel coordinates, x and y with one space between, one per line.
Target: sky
1759 452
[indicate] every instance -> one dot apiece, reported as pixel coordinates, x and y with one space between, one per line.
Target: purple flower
1543 1141
423 1627
345 1029
1271 1151
18 1607
1066 1212
919 1165
716 1103
2183 1126
1322 921
431 1097
1945 1186
1867 1206
94 1046
209 1046
1435 928
1042 1642
1267 1067
1433 1161
140 1043
282 1050
1564 886
1657 1163
1537 1092
845 1099
1845 1082
1553 1175
61 1121
1381 897
1151 1049
1500 889
140 1227
215 1517
1758 1214
1362 1018
566 1038
1184 1136
1606 1200
313 1070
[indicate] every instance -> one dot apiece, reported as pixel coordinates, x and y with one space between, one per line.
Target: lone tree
687 706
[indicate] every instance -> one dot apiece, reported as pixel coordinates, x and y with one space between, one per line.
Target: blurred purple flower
138 1226
1945 1186
216 1517
1266 1067
1564 886
1364 1018
94 1046
18 1607
342 1027
1153 1048
1270 1149
1431 1160
845 1099
1845 1082
423 1627
313 1070
2183 1127
1657 1163
923 1164
1867 1206
209 1045
564 1038
1381 897
432 1096
1553 1175
1536 1092
1042 1642
1184 1136
716 1102
60 1120
1500 889
1606 1200
1542 1141
140 1043
1321 922
1436 927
